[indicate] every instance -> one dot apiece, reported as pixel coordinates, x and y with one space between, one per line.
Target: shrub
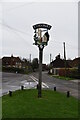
72 73
12 69
61 72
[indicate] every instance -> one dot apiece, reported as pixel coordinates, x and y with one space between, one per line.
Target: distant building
57 64
11 62
44 67
0 64
76 62
70 62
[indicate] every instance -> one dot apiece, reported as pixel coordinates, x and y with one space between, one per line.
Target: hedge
14 70
72 73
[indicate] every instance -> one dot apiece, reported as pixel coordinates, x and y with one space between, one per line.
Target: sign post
40 72
41 39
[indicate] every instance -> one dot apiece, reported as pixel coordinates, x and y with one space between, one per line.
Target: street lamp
41 38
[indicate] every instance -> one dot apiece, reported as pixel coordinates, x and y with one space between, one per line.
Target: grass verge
26 104
62 77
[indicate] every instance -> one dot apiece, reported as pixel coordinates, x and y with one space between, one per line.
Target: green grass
62 77
26 104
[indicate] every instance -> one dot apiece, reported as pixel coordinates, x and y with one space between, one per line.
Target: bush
72 73
61 72
12 69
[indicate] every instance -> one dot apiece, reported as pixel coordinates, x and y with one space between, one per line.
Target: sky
17 19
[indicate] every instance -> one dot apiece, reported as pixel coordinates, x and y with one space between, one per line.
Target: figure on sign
41 36
45 38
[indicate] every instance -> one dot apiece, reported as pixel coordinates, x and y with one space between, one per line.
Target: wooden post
40 73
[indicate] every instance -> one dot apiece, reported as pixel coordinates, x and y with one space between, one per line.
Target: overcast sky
17 32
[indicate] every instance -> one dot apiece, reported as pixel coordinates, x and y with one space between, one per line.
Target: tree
35 64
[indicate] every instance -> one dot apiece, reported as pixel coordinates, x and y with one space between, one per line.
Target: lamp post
41 39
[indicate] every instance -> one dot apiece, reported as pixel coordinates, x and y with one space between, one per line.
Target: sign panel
42 26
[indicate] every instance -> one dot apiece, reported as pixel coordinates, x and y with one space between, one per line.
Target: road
12 81
61 85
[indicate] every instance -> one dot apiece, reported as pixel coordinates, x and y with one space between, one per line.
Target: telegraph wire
17 33
58 42
19 6
15 29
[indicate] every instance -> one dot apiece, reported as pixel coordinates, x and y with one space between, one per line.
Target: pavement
13 81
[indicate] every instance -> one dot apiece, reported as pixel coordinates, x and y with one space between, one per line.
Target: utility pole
64 57
30 57
64 51
41 40
50 57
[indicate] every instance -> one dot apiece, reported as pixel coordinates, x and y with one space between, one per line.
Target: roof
76 62
59 63
11 58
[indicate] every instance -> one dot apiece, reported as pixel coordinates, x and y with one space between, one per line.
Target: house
57 64
0 64
76 62
70 62
11 62
44 67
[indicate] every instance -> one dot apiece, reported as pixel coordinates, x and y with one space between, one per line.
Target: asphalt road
61 85
12 81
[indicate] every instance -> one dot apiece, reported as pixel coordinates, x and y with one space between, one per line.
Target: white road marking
24 81
36 80
32 77
77 81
